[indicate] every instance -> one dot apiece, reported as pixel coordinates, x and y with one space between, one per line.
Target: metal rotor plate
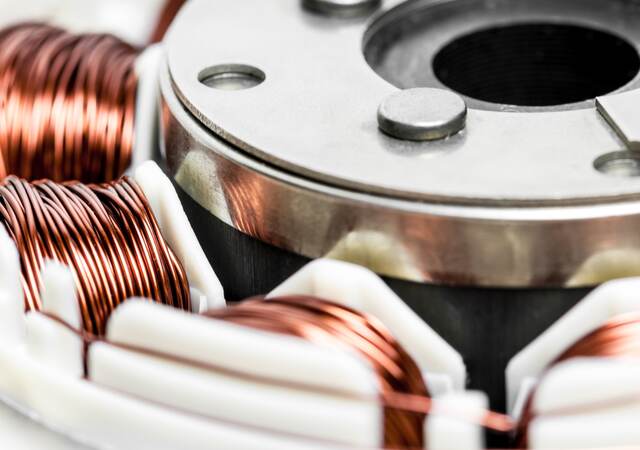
315 112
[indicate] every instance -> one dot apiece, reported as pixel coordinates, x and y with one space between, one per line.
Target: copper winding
402 389
617 338
106 233
403 393
67 104
333 325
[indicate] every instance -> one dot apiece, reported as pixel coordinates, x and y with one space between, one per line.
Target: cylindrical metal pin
422 114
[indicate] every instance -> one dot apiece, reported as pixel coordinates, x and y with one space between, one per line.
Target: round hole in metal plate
231 77
537 64
624 164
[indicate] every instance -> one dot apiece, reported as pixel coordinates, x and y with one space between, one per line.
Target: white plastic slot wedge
581 403
260 376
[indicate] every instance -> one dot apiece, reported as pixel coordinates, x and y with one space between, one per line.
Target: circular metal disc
422 114
315 114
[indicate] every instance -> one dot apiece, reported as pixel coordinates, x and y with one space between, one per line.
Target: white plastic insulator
12 327
454 422
177 230
604 303
363 290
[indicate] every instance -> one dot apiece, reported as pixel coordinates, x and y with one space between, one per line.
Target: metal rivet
342 8
422 114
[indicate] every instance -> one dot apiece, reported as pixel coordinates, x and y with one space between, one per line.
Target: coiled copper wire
334 325
337 326
67 104
106 233
403 392
617 338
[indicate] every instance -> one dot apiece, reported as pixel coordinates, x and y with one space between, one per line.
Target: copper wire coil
333 325
403 394
107 234
67 104
617 338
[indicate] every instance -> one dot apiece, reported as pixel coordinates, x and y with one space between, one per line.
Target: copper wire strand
107 234
617 338
67 104
409 408
403 391
165 19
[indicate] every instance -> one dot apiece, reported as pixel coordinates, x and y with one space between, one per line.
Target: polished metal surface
619 164
231 77
622 112
342 8
418 241
422 114
315 113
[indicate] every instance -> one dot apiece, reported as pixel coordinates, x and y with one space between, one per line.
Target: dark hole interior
536 64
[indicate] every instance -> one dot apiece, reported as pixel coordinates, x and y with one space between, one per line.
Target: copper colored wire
167 15
617 338
67 104
106 233
336 326
403 392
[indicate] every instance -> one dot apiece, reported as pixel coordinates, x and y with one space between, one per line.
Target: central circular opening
536 64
